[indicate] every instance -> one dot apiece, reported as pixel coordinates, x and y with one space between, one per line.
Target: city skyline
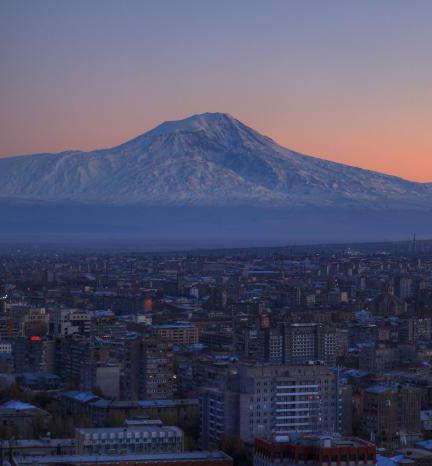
348 83
216 235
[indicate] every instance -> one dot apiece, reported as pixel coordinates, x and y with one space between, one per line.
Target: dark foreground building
195 458
314 451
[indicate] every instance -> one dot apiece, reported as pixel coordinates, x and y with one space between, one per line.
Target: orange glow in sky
345 81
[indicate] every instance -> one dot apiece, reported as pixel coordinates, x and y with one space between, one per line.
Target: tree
72 384
356 422
61 426
39 426
97 391
115 419
191 426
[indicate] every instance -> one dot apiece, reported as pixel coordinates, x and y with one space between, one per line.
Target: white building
141 437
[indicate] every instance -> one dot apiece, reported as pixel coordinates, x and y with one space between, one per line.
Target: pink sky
349 82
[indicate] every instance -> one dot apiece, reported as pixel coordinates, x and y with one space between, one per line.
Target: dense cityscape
306 355
215 233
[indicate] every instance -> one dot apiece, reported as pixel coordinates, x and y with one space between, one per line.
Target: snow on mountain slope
208 159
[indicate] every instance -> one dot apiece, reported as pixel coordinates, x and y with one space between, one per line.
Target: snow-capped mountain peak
217 127
208 159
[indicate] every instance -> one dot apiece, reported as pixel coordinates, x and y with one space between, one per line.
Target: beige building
179 333
134 438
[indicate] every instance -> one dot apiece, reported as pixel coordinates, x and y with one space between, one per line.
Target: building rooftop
167 403
98 459
17 405
320 440
80 396
154 427
173 325
41 442
323 441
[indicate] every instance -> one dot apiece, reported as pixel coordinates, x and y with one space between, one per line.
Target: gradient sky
349 81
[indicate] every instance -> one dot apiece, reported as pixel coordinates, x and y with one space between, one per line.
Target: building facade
314 451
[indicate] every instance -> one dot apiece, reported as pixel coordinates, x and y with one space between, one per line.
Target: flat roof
71 459
30 443
175 325
324 441
18 406
130 428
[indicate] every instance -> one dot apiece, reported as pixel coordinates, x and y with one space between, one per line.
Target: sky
349 81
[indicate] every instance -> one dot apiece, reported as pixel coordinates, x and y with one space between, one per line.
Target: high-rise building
262 400
271 345
148 369
78 360
35 322
304 342
415 328
157 370
403 287
65 322
391 414
179 333
33 354
8 328
378 357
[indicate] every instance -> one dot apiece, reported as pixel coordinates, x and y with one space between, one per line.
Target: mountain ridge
172 122
206 159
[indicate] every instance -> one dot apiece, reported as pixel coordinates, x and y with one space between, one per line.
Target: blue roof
17 405
80 396
174 325
355 373
379 388
426 444
163 403
384 461
101 403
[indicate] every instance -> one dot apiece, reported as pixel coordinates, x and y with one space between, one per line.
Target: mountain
208 179
205 160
